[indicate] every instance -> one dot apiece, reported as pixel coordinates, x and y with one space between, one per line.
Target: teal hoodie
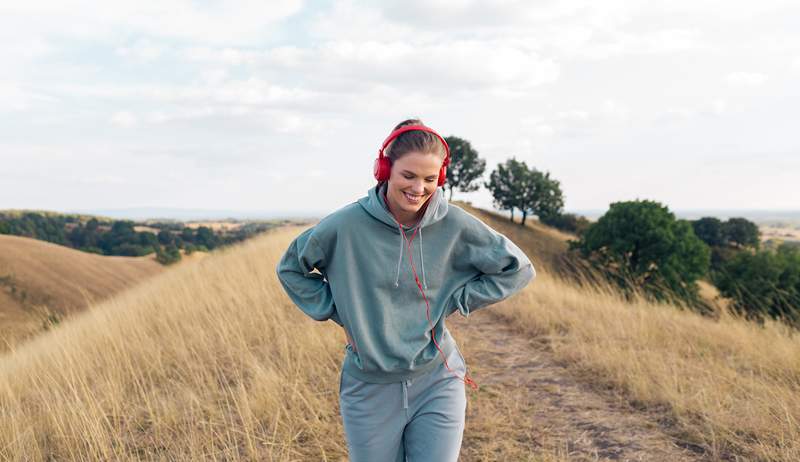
365 281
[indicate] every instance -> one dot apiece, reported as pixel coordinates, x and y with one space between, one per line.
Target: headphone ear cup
382 169
442 175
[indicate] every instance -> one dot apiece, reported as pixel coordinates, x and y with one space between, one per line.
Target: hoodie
366 284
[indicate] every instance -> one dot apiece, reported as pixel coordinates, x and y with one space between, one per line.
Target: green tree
541 196
506 184
465 167
710 231
640 244
763 283
741 232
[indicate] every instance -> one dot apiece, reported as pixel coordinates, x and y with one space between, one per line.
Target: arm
503 269
309 291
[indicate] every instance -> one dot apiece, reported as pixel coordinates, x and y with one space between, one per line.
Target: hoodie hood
373 203
435 210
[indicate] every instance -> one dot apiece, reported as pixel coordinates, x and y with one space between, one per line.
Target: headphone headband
407 128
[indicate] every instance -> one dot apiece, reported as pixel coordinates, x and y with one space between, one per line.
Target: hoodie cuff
459 301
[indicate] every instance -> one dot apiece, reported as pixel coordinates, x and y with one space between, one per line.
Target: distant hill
40 279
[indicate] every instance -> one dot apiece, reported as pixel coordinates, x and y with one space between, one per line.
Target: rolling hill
39 280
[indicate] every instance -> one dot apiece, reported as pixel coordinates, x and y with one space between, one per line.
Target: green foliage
741 232
569 222
465 168
516 186
763 283
735 232
640 245
709 230
168 254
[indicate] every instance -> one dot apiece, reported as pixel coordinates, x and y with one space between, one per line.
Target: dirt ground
531 407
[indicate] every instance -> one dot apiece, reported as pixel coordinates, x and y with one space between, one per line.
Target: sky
282 106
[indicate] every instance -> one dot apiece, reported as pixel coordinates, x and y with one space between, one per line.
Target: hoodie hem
349 366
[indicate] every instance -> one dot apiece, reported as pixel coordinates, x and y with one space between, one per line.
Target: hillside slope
38 278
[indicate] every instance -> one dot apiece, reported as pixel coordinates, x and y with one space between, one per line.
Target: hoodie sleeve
502 269
309 291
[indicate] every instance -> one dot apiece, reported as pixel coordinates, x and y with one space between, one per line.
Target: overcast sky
282 106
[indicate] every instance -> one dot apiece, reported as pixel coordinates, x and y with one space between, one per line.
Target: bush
641 245
568 222
763 283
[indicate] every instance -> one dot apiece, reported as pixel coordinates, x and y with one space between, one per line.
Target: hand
349 340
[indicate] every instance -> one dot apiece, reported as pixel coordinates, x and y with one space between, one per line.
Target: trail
531 407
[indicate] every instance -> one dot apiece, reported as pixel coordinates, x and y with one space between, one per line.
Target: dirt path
529 407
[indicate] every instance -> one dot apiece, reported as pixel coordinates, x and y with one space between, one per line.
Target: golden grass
728 385
210 361
38 278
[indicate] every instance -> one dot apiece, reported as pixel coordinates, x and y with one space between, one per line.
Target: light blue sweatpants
416 420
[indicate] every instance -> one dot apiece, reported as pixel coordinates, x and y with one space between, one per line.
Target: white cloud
143 50
124 119
234 23
746 79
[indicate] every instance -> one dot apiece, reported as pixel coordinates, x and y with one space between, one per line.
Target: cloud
124 119
240 22
143 50
746 79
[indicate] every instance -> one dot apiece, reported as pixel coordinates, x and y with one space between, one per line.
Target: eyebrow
412 173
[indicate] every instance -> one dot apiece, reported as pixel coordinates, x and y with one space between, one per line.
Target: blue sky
283 106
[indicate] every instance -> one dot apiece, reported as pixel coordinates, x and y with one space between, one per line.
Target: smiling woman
402 391
416 164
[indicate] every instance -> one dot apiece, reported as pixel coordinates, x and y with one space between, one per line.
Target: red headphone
383 166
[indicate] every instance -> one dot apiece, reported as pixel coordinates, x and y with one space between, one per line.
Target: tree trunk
524 215
512 214
451 194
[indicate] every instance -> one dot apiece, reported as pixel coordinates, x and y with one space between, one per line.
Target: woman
401 389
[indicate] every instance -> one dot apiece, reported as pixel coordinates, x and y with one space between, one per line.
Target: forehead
418 163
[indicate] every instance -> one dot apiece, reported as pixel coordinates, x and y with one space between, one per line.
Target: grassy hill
40 281
212 361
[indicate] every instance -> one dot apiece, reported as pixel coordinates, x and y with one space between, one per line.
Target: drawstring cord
467 380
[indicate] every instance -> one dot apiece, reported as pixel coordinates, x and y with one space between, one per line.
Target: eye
408 177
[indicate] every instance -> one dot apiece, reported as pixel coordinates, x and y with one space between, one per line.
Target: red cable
467 380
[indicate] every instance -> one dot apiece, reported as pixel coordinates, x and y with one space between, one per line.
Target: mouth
414 199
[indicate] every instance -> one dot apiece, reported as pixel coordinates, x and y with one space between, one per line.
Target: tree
741 232
541 196
640 244
515 186
505 183
465 167
709 230
764 283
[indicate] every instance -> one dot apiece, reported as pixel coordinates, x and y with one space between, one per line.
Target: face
413 180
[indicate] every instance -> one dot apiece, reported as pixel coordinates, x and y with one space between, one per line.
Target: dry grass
209 361
729 386
39 278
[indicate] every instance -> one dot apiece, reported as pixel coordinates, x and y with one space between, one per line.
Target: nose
418 187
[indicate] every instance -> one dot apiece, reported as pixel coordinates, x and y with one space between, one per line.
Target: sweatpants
416 420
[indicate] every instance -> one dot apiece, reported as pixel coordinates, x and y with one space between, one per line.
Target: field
212 361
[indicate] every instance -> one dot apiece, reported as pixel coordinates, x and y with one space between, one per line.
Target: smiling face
412 182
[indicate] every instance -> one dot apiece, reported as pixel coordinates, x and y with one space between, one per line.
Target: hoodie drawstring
399 260
422 260
421 256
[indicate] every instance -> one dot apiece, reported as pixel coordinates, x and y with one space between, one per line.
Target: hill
40 281
212 361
